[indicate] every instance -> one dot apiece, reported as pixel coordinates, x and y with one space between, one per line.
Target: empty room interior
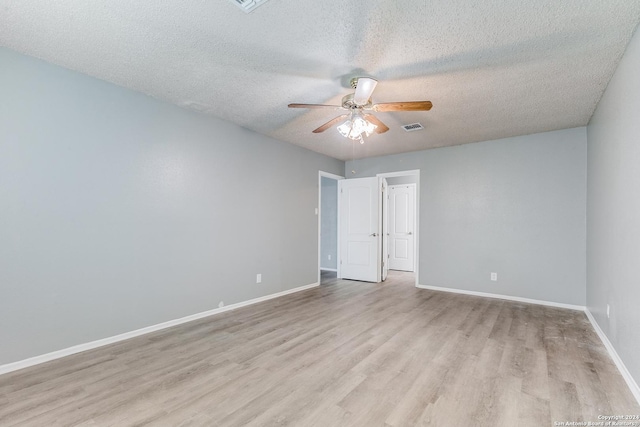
362 213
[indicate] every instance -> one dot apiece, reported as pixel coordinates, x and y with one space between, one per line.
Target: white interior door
360 229
402 199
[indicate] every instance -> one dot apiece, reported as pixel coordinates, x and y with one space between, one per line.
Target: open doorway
327 226
402 219
364 232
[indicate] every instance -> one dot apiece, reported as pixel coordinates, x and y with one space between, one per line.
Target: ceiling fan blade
334 107
381 127
330 123
364 89
403 106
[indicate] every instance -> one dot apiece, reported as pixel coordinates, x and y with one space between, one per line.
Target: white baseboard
36 360
505 297
335 270
633 386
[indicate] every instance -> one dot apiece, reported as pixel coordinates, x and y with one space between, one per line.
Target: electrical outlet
608 311
258 278
494 277
221 304
329 256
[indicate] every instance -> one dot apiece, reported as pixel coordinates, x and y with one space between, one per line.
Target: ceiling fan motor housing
349 103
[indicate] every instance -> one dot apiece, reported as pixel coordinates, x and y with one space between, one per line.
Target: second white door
402 199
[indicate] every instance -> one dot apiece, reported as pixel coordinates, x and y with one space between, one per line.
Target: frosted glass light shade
355 127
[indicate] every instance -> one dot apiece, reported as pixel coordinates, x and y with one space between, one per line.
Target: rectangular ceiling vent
412 127
248 5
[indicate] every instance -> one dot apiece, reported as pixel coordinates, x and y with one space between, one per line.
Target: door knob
373 235
409 233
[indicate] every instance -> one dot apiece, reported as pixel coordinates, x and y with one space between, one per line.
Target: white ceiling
492 68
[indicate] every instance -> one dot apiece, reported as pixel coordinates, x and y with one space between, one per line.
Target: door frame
324 174
384 228
416 242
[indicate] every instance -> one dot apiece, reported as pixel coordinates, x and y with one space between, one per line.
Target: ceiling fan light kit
358 123
356 126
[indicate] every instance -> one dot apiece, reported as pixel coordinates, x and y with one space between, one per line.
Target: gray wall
329 221
399 180
613 210
118 211
514 206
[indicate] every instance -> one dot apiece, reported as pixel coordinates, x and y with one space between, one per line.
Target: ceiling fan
358 121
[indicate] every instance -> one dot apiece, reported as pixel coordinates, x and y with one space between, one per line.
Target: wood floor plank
342 354
533 411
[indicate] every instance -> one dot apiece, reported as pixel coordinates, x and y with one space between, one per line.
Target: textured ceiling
492 68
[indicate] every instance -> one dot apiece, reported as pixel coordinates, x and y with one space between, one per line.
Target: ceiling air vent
412 127
248 5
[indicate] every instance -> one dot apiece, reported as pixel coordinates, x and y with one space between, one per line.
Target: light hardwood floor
345 353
